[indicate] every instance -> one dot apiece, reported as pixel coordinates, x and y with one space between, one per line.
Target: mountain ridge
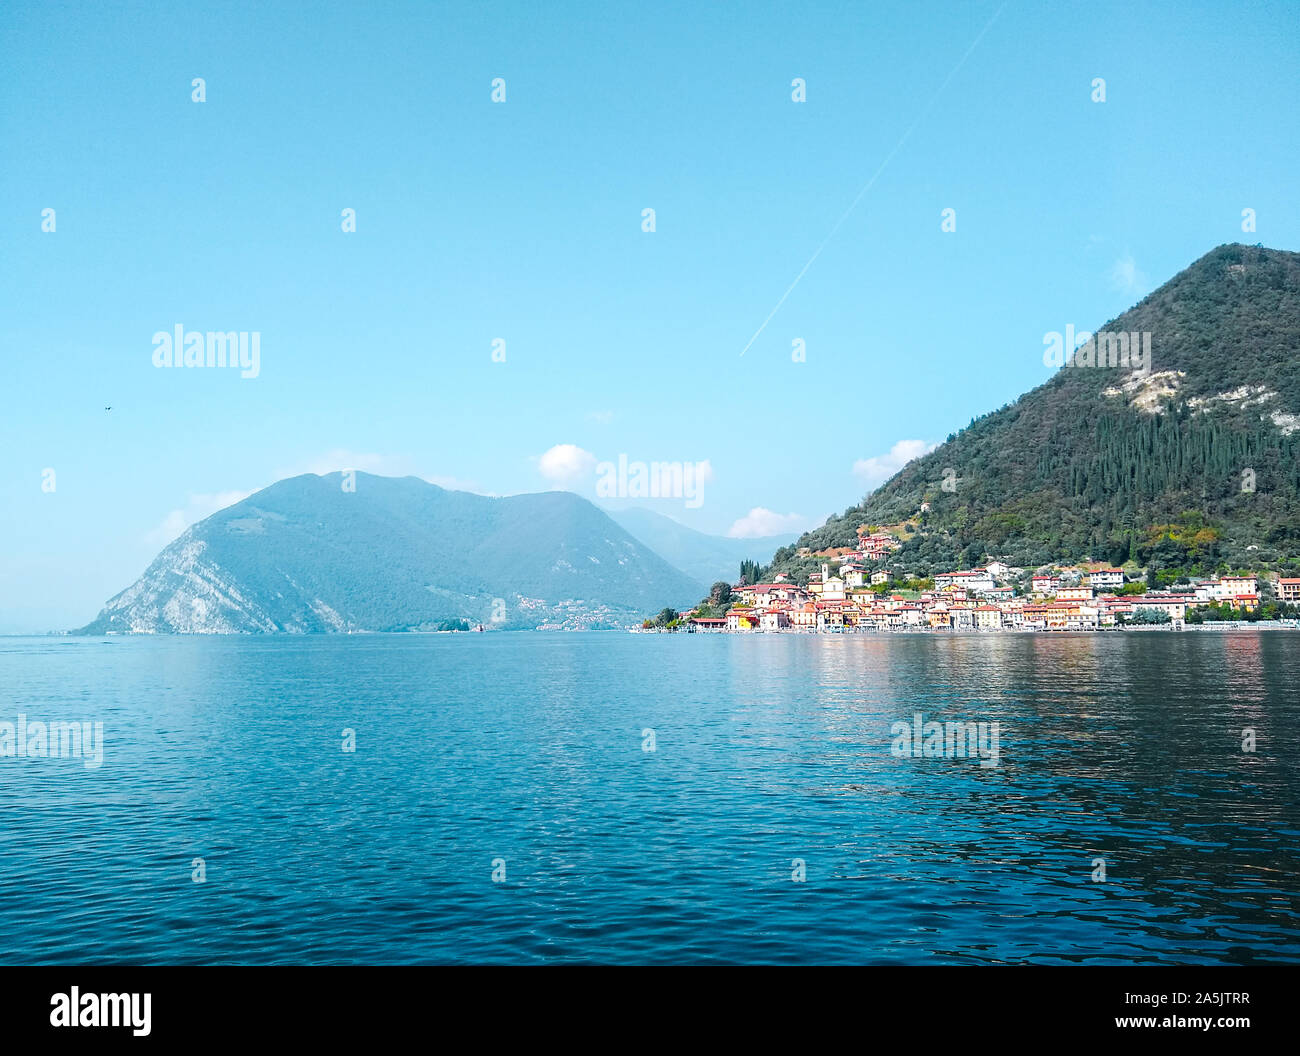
707 558
306 555
1194 464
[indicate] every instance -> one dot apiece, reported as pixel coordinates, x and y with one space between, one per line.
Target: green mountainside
1188 466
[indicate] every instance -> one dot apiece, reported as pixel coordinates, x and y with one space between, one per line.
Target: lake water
529 749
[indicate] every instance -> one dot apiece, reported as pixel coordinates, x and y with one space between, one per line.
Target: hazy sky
522 221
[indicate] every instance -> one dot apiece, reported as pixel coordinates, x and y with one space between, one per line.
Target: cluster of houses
979 599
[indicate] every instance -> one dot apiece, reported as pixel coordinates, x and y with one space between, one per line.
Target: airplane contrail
875 176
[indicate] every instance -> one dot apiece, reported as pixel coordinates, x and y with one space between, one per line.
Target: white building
1045 584
1106 579
1174 604
832 586
1228 589
975 579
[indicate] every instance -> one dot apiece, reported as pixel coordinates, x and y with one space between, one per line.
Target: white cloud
760 522
879 468
1127 278
196 508
600 417
565 463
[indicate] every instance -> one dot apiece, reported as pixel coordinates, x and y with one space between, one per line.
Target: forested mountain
1188 465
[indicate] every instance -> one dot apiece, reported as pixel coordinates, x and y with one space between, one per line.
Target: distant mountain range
707 558
304 555
1191 464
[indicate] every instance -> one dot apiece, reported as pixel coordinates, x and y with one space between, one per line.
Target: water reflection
1120 747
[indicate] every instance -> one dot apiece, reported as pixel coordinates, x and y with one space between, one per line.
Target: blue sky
522 221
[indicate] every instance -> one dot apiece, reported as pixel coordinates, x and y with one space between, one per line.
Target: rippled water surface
529 748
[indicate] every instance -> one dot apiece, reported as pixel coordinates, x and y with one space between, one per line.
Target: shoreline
1221 626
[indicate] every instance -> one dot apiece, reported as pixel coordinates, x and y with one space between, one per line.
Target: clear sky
523 220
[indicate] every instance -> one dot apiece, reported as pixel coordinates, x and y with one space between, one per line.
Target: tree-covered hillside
1191 464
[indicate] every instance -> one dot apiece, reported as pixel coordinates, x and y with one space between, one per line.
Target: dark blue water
529 748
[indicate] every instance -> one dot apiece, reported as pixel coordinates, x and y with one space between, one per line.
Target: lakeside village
846 596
